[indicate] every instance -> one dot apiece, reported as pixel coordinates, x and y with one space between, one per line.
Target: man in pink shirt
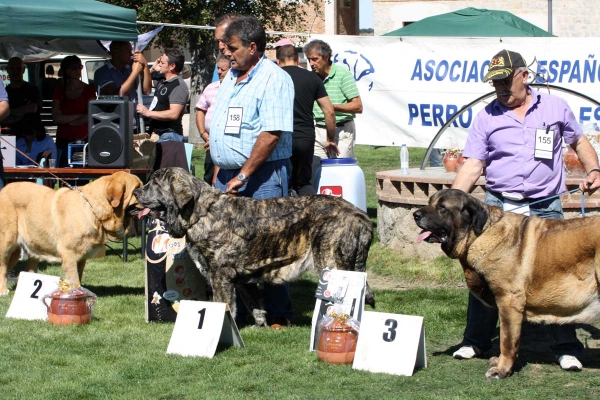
204 110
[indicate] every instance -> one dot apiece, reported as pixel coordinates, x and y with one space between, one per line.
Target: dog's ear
115 190
182 187
478 214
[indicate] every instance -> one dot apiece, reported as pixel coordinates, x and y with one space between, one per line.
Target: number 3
390 335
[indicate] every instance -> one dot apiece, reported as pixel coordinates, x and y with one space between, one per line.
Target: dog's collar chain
75 188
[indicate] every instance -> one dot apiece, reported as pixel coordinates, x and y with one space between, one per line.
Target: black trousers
303 149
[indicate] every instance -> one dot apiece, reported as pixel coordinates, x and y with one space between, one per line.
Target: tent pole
549 16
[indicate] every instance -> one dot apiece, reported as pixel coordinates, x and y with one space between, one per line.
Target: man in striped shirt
343 93
204 110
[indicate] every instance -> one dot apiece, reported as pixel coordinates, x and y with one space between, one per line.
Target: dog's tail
363 245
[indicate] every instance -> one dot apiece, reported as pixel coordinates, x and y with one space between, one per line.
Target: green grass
120 356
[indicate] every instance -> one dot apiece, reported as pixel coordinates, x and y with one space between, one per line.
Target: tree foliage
276 15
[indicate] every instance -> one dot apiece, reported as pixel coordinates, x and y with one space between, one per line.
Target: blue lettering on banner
438 114
586 114
455 70
551 71
568 71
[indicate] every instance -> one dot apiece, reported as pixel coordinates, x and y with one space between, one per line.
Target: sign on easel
200 327
343 289
27 302
390 343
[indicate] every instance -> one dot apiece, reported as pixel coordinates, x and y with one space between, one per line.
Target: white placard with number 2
390 343
27 302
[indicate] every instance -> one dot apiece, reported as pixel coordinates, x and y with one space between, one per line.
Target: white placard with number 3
27 302
201 326
390 343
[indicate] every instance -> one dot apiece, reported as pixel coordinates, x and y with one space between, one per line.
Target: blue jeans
170 136
270 180
482 320
435 158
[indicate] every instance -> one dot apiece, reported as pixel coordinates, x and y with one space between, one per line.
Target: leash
67 184
555 196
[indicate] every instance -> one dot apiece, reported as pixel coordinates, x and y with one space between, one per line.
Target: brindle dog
539 270
238 240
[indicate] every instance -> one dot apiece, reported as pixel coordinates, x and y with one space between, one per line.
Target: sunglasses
506 82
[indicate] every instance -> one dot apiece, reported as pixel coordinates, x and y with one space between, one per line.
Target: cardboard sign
9 154
336 287
171 275
390 343
200 327
27 302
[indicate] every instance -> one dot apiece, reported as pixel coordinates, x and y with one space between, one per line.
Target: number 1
202 313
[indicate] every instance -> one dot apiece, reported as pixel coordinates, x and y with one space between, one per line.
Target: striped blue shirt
266 97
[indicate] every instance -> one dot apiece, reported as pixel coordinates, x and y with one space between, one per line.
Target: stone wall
570 18
400 195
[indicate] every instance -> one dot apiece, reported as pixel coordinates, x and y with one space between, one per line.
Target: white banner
410 86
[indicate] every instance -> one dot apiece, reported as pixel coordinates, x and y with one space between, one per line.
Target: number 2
390 335
37 283
201 322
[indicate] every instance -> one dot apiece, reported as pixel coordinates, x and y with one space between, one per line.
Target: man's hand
138 57
591 183
233 186
331 149
141 109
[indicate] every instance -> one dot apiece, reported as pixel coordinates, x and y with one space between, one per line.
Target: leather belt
339 124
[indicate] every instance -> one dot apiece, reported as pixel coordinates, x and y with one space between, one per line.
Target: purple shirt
3 95
507 146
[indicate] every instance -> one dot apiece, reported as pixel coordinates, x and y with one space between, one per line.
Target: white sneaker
569 363
466 353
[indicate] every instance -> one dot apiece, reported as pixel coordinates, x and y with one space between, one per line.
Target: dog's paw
4 292
496 373
493 361
260 317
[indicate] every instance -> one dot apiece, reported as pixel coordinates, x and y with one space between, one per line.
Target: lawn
120 356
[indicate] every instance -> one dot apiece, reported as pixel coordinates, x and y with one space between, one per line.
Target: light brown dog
539 270
63 225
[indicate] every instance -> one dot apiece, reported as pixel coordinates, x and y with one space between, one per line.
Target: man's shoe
466 353
279 323
569 363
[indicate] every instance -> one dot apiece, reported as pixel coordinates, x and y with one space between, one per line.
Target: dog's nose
417 215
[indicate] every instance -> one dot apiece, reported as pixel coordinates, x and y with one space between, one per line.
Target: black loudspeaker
110 133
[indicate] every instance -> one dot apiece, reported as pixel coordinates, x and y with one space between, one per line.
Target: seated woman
37 145
70 107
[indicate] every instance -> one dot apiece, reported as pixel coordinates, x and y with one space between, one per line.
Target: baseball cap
284 42
503 64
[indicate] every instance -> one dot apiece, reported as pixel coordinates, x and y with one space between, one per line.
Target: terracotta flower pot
337 343
450 162
72 307
573 165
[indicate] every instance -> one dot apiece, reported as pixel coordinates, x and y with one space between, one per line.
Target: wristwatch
243 178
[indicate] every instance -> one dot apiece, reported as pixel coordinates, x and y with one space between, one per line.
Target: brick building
570 18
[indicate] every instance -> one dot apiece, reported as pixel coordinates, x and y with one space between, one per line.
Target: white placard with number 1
201 326
27 303
390 343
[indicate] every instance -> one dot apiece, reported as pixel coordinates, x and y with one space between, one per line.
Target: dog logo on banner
357 64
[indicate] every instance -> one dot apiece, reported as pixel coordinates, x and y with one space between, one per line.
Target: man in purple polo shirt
518 139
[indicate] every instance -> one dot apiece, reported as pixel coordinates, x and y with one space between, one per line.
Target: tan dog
539 270
63 225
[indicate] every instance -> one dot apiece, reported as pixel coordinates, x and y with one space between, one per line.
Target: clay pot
69 308
573 165
450 162
459 162
337 343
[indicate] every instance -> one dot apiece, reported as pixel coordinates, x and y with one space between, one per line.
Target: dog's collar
75 188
